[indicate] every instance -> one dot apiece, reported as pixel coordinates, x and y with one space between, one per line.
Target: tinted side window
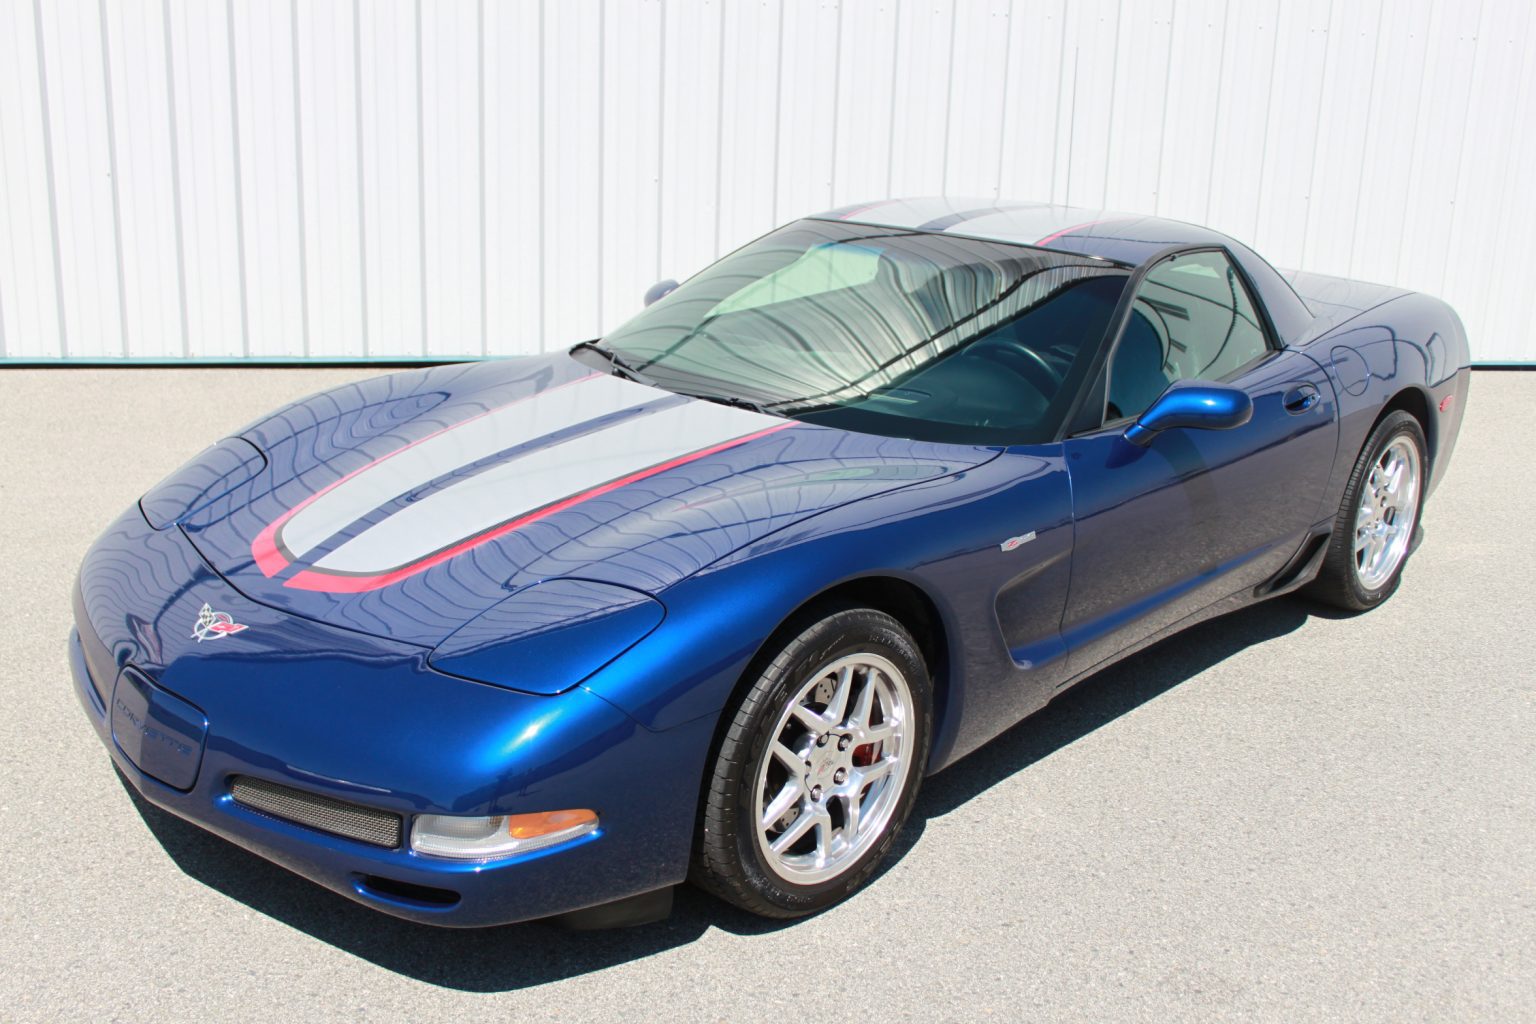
1192 318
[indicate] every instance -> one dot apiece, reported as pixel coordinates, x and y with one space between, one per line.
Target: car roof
1130 239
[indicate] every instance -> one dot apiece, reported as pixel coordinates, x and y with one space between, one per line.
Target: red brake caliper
864 756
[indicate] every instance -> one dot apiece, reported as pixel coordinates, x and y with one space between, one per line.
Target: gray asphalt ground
1281 815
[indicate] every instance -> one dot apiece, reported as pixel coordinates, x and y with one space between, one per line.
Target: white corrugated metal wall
396 178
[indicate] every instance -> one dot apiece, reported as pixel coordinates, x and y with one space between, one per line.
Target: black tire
1338 583
727 859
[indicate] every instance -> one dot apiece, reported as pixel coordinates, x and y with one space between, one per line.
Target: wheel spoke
877 733
810 719
792 835
875 772
1396 491
838 706
791 760
853 802
787 798
859 718
823 822
1366 515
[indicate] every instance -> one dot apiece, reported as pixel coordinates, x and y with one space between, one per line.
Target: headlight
212 474
500 835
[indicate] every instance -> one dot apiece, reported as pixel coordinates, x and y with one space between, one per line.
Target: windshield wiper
624 369
621 368
735 401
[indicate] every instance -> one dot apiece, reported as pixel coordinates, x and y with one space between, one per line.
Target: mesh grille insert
366 825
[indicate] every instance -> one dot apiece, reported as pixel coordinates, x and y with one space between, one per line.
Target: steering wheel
1025 362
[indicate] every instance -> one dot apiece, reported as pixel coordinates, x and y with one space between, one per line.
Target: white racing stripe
539 478
519 422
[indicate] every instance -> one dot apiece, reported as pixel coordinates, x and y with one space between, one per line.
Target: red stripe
865 208
314 579
1067 231
269 557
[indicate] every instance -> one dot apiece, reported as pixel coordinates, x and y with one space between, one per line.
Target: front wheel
818 768
1373 534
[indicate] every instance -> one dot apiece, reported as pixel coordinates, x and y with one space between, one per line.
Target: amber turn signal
498 835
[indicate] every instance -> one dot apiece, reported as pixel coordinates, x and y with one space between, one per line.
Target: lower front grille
339 818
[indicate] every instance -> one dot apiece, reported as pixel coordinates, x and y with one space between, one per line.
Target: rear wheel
1373 533
819 767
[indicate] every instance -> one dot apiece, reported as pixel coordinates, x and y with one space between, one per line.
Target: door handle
1300 398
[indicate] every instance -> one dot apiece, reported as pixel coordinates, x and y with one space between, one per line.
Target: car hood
408 505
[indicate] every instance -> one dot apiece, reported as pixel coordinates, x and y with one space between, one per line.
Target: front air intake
339 818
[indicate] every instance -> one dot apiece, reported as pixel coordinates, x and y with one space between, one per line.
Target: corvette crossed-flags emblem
212 625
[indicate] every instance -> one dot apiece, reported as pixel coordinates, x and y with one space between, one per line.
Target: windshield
884 331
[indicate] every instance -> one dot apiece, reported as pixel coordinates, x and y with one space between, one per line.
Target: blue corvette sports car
705 600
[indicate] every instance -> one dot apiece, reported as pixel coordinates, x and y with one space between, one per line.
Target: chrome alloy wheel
835 768
1389 507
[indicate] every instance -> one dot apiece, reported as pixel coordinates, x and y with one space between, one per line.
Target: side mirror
1192 404
660 290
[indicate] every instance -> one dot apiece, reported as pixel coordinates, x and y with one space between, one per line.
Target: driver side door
1165 530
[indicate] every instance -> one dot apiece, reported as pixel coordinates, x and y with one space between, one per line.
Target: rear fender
1409 352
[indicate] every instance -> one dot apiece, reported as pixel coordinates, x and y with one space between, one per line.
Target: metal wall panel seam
1003 100
1370 110
1210 176
949 97
234 134
1162 135
175 146
720 129
1066 188
1514 183
298 170
602 144
421 180
1114 81
485 337
890 134
543 192
778 112
1269 92
1413 148
1061 78
53 202
117 205
837 90
362 196
661 132
1461 145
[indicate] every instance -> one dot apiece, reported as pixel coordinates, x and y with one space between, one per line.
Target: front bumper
366 722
